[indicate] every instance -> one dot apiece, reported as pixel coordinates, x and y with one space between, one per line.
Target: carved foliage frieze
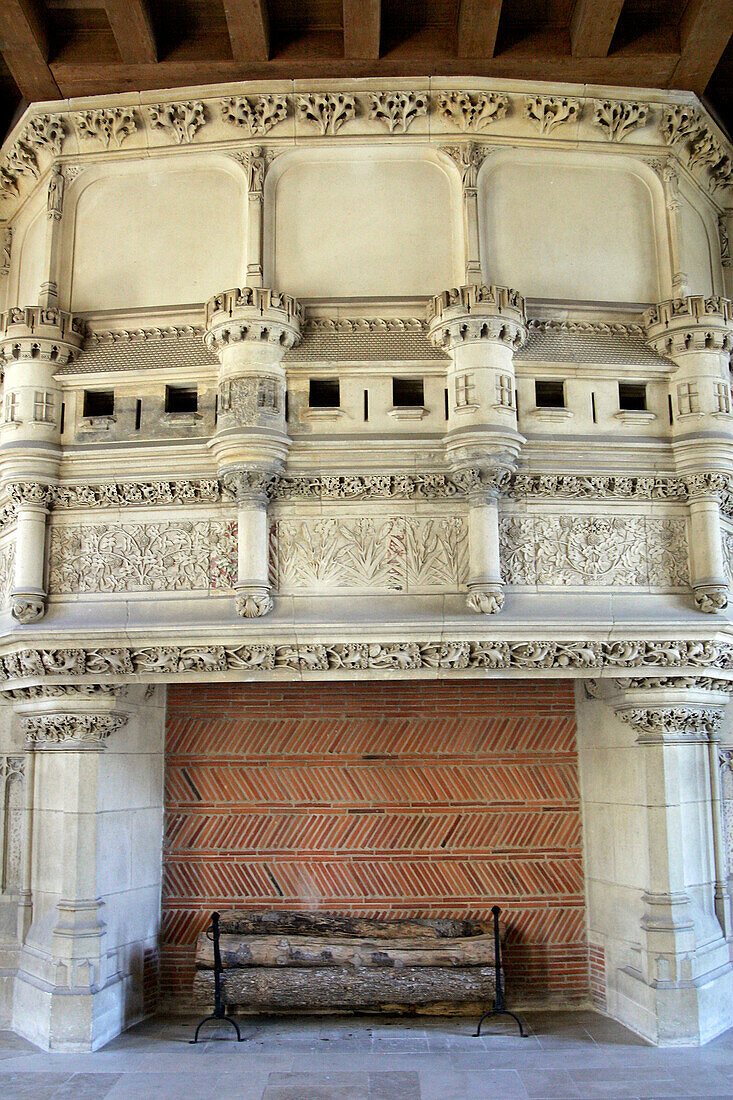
549 111
143 557
387 553
327 111
448 655
180 121
618 119
256 114
397 110
472 110
594 550
108 125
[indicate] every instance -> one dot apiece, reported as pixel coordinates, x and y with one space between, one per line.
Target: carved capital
253 601
488 481
671 724
248 486
38 493
71 731
252 313
468 158
691 324
470 313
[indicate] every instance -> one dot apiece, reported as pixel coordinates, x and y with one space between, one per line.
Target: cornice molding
118 663
214 119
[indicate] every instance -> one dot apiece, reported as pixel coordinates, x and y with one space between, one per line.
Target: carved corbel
252 491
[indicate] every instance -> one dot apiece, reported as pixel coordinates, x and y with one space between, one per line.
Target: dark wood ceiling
53 49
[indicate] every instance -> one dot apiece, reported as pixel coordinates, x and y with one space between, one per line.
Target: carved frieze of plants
397 110
549 111
328 111
108 125
474 111
257 114
618 119
180 121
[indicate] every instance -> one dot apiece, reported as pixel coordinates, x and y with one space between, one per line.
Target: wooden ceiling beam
362 29
133 30
593 25
249 29
478 25
705 30
24 45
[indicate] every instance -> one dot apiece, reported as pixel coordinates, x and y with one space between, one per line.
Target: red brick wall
411 798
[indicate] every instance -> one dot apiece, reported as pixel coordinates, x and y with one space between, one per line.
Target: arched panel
32 257
570 229
154 234
358 222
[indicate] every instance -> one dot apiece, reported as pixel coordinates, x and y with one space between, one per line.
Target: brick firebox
396 798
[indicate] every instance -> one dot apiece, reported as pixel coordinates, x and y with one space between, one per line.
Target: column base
682 1013
62 1018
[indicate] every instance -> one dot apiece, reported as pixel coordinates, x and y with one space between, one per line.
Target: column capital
248 486
486 482
253 314
40 333
77 718
690 324
661 723
474 312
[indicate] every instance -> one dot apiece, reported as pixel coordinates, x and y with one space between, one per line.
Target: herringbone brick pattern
392 799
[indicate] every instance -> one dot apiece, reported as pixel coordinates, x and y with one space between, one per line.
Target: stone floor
567 1054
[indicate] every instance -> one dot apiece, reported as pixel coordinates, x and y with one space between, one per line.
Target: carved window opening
549 394
722 396
464 390
408 393
324 393
181 399
43 407
687 401
98 403
505 391
11 408
632 396
267 395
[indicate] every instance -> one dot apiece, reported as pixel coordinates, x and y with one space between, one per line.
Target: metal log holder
499 1008
218 1013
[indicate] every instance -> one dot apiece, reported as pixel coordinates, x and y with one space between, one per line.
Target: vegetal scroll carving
397 110
258 114
108 125
618 119
181 121
328 111
473 110
549 111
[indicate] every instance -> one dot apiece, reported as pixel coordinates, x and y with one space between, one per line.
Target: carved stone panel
623 551
12 771
129 557
7 566
384 553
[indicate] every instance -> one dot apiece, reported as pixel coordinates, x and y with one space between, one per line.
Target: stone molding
681 126
70 731
118 336
119 663
672 683
672 724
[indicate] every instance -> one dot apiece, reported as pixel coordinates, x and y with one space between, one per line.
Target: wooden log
355 951
333 924
376 989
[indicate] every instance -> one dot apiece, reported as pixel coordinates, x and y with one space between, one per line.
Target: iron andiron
499 1009
218 1013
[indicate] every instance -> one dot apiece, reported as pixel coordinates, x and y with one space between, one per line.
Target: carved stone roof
549 341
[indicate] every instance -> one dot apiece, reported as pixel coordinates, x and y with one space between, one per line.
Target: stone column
697 335
481 327
250 330
468 157
657 889
34 343
95 859
256 161
49 290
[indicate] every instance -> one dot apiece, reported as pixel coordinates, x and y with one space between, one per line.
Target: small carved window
181 399
632 396
267 395
43 410
99 403
464 390
408 393
549 394
324 393
505 391
11 408
722 395
687 401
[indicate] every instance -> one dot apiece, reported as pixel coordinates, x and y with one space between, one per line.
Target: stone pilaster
34 343
250 330
684 977
696 333
481 327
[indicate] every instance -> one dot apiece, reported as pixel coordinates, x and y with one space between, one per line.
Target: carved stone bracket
671 724
252 601
27 607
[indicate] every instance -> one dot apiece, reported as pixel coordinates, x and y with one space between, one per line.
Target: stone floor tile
394 1085
31 1086
165 1086
549 1084
317 1086
486 1084
638 1083
86 1086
